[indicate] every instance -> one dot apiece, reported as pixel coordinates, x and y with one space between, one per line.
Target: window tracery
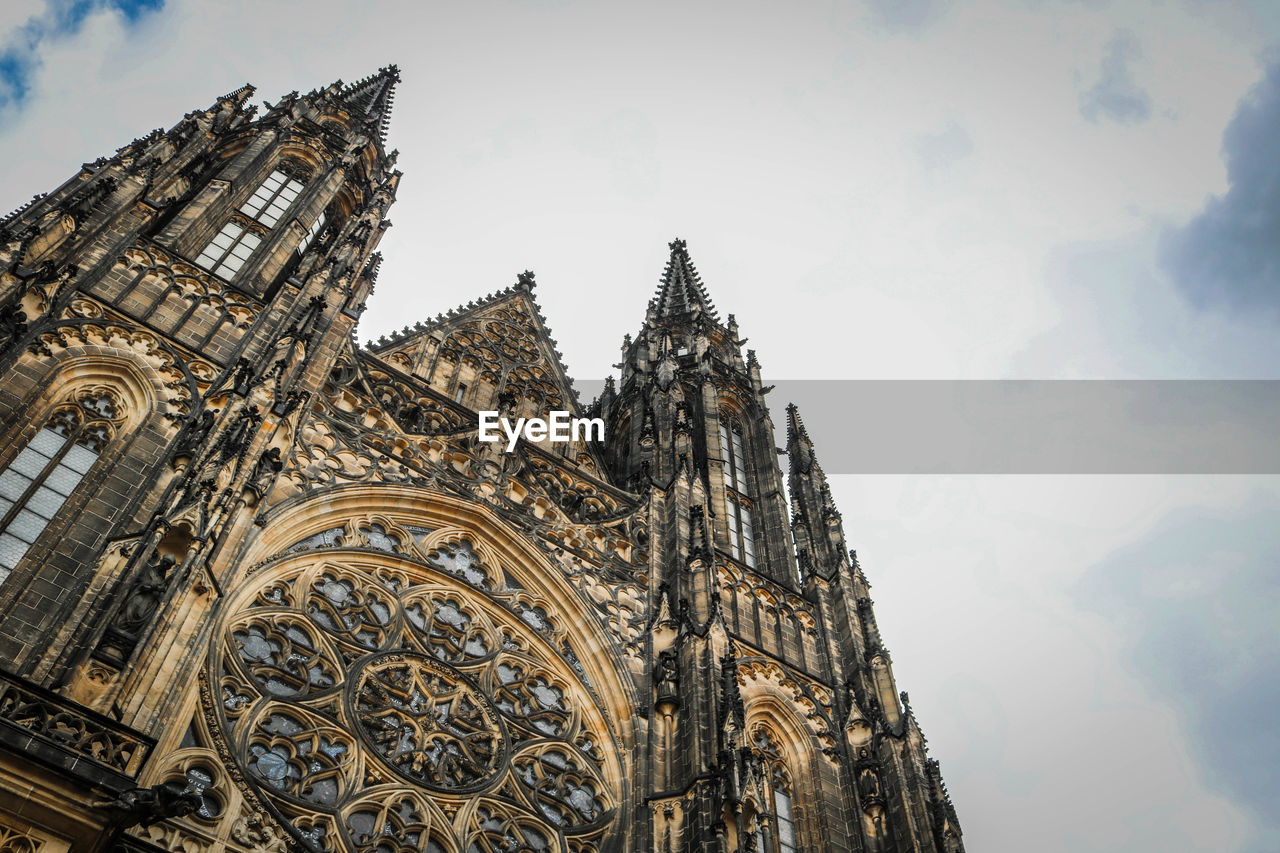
777 832
381 717
36 483
742 539
240 235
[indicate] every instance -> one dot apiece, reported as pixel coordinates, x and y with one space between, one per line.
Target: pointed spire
372 97
732 710
681 292
796 431
800 446
816 523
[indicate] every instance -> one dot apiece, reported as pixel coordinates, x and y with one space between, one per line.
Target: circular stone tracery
368 698
427 722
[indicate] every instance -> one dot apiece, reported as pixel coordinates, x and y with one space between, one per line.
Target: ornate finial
525 281
680 293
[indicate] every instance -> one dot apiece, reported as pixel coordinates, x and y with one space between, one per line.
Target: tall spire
796 432
681 294
816 524
371 98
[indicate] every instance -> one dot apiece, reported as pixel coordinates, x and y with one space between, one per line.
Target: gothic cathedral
264 589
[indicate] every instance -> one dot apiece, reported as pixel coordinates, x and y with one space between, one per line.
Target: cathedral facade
264 589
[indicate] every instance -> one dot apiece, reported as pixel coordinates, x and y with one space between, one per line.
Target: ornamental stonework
355 695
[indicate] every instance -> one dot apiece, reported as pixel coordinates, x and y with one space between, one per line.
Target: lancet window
244 232
742 540
38 481
777 832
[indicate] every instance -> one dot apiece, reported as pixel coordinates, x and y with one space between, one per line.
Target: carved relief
175 389
62 723
811 700
200 306
347 691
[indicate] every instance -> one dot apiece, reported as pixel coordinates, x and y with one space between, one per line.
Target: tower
264 589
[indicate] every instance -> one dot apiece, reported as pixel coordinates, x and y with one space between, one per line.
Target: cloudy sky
878 190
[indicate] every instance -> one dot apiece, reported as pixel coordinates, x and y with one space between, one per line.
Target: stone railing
38 719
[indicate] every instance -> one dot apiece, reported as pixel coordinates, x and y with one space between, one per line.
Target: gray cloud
906 17
1116 95
1195 603
944 149
1229 254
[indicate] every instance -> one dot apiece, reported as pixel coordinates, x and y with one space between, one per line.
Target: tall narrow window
272 198
776 794
742 542
782 813
244 232
227 252
45 473
311 233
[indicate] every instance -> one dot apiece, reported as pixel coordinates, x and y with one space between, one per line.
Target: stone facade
262 588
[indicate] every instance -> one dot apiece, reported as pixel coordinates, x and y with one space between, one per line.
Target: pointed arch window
783 819
780 835
241 235
35 485
742 540
227 252
272 198
312 232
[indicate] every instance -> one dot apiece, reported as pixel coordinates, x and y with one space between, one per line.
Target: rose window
428 724
377 705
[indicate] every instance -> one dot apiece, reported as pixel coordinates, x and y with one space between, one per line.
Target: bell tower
164 316
758 610
690 404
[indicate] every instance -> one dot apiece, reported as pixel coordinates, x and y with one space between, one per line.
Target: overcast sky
912 189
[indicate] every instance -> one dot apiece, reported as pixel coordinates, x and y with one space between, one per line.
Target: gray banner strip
1034 426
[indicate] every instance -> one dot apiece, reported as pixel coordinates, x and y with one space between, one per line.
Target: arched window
45 473
312 232
779 836
783 819
272 198
742 540
227 252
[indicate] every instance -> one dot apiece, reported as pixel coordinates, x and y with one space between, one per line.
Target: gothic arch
391 554
138 385
151 374
310 513
302 151
799 750
107 402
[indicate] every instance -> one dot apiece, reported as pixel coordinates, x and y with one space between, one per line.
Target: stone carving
666 677
427 723
145 806
16 841
345 692
143 597
59 722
